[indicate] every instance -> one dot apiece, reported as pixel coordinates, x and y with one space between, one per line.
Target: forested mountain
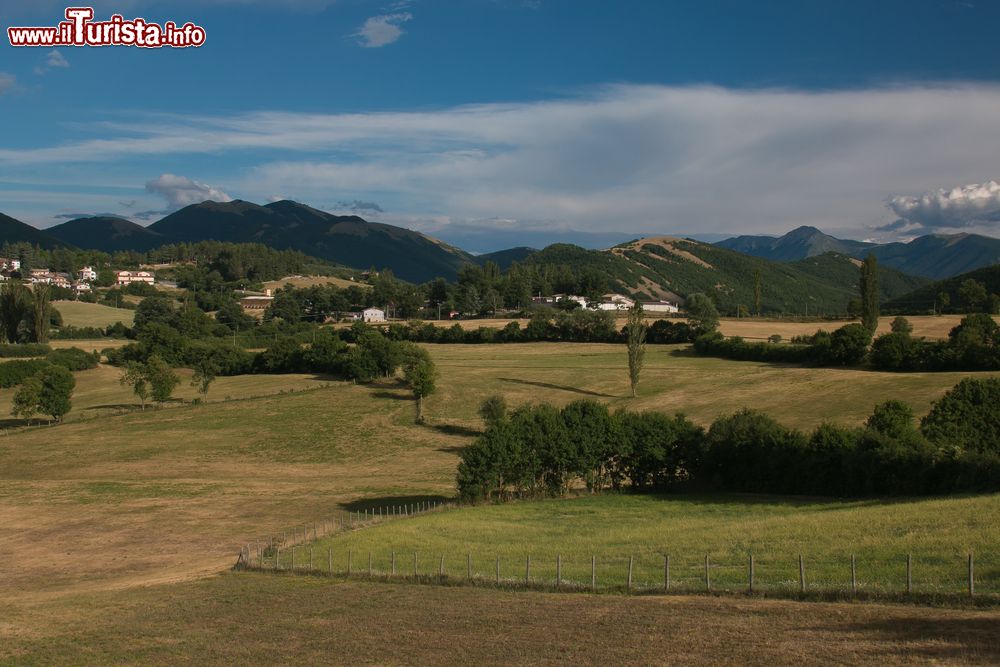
348 240
106 233
952 294
934 256
15 231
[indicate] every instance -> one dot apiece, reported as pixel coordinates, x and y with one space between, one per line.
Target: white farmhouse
129 277
373 315
87 274
615 302
660 307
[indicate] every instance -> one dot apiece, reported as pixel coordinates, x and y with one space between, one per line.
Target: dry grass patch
83 314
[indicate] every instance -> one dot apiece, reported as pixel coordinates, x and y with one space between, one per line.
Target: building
87 274
256 302
660 307
572 297
615 302
80 286
46 277
10 264
373 315
128 277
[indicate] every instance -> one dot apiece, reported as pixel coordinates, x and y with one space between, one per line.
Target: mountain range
663 265
934 256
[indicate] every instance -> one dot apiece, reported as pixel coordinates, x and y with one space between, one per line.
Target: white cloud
972 205
625 158
382 30
7 82
180 191
53 59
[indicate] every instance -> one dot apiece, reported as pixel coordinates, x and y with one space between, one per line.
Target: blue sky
492 123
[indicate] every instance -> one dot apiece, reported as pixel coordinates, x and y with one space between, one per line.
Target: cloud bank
626 158
180 191
960 207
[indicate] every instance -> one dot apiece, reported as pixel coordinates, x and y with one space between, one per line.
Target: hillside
504 258
671 268
941 256
348 240
925 299
15 231
935 256
108 234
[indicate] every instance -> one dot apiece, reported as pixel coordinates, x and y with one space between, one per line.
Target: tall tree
635 336
758 288
420 375
15 302
40 311
702 313
869 294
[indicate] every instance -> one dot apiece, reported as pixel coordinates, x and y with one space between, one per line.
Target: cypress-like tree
869 294
15 300
635 333
40 313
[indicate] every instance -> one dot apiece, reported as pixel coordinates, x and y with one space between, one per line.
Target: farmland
82 314
98 507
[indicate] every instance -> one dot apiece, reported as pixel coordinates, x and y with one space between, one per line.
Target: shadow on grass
393 501
455 429
937 638
396 396
548 385
18 423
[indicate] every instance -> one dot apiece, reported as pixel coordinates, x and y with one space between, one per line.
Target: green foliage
967 417
869 294
25 403
206 368
493 409
420 375
635 342
57 385
702 314
74 359
951 294
892 418
972 296
973 345
15 305
13 373
901 325
41 313
24 350
849 345
162 379
846 346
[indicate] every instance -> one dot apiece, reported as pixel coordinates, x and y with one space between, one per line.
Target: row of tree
540 450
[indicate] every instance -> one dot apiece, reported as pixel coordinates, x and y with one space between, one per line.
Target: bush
74 359
24 350
967 417
13 373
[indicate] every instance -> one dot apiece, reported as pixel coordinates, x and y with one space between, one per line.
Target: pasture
95 509
82 314
313 281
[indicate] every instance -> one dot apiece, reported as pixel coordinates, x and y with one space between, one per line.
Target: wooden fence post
277 556
414 563
441 568
498 569
666 572
628 586
751 573
468 562
527 569
593 573
708 577
349 555
972 577
558 570
394 563
369 563
854 574
329 560
802 576
293 558
310 558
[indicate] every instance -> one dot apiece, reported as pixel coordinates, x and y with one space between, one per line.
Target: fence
917 576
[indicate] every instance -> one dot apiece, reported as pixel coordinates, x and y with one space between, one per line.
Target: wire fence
295 551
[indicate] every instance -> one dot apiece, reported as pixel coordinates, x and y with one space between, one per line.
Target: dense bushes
540 450
13 373
74 359
973 345
24 350
846 346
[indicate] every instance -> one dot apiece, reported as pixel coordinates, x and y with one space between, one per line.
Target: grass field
82 314
92 510
938 533
312 281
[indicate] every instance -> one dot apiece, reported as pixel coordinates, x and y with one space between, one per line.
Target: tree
26 399
635 338
973 296
134 375
943 301
205 370
757 291
40 313
892 418
162 379
15 302
420 374
902 325
702 313
493 409
869 294
967 417
57 385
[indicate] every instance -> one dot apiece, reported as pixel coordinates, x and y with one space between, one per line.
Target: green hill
108 234
926 298
15 231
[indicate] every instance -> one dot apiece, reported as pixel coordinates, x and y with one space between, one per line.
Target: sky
496 123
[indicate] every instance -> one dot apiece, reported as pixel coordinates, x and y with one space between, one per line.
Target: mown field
937 533
94 509
82 314
312 281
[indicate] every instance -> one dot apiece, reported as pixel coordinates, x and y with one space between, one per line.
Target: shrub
13 373
74 359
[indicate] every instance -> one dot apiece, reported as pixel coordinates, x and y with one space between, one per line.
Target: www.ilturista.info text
79 29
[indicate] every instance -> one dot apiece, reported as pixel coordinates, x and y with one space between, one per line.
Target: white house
615 302
660 307
10 264
572 297
129 277
373 315
81 287
87 274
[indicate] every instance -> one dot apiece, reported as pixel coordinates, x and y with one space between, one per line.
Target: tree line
539 450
